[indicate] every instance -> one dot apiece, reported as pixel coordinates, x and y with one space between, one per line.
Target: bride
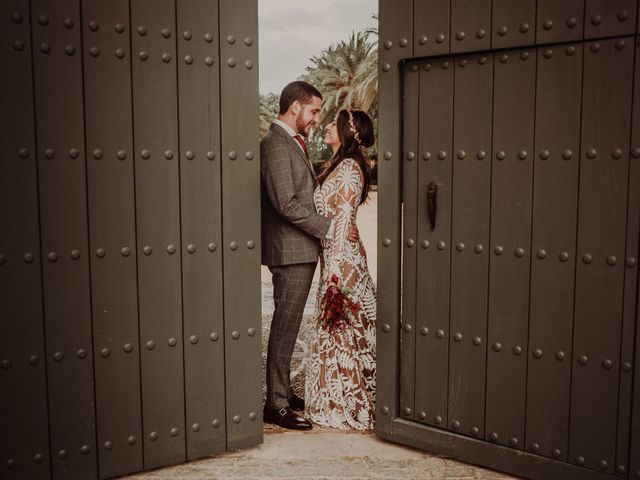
340 376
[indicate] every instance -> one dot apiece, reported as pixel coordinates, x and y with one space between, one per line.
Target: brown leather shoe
286 418
296 403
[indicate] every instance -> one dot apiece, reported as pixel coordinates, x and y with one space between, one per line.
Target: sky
292 31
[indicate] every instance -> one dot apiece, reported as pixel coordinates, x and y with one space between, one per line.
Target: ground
322 454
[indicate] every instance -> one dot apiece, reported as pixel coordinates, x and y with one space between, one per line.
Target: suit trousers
291 284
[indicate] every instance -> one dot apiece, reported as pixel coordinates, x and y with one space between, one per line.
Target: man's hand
353 235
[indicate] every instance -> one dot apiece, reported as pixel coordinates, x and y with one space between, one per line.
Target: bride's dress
340 375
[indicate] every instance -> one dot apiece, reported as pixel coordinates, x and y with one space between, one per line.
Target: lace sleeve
346 196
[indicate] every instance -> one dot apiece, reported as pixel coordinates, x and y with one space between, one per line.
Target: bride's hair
355 131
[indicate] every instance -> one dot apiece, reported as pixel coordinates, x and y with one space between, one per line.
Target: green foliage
338 73
269 106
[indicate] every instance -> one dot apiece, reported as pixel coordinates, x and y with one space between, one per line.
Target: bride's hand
353 234
334 280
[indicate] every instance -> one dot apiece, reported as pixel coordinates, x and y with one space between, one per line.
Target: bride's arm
346 197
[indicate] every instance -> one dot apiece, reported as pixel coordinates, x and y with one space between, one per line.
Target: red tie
302 144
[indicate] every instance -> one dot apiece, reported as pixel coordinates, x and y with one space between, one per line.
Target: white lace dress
340 374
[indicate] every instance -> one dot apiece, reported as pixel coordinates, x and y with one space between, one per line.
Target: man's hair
301 91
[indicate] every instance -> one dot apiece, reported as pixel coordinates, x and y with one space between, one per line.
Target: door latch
432 203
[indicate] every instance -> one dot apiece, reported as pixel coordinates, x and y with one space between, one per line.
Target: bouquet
337 307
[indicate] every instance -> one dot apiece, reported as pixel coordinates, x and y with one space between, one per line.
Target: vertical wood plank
23 383
604 170
60 138
201 225
509 270
470 220
409 234
553 240
112 235
241 221
396 26
155 122
434 245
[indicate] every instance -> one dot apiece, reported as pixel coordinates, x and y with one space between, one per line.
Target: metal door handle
432 203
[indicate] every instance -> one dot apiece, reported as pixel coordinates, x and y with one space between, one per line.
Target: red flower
337 307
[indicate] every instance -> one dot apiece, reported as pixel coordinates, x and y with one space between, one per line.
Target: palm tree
347 76
342 74
365 86
374 30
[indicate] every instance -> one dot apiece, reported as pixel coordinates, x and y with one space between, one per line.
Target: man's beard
301 126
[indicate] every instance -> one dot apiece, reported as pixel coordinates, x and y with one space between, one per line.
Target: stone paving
320 454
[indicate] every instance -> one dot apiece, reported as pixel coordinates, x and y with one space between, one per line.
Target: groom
291 234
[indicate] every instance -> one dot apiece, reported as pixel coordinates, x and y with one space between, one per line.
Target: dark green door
510 234
129 252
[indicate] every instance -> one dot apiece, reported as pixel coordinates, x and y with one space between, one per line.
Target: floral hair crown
352 127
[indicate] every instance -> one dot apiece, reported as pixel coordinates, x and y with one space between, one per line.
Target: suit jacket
291 227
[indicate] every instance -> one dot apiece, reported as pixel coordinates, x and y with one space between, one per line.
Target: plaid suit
291 233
